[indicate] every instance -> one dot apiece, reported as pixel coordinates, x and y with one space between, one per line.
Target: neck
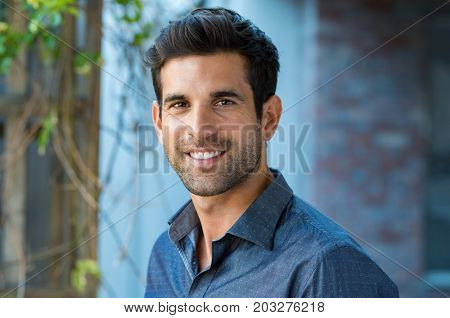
218 213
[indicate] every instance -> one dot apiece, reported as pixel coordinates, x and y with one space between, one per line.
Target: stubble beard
237 165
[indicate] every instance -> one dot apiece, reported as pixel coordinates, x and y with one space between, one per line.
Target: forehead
197 74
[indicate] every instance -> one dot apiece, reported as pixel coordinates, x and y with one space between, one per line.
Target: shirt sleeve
348 272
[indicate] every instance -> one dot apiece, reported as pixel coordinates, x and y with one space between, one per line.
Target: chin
205 193
204 190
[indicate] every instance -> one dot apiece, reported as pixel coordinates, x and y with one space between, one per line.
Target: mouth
204 158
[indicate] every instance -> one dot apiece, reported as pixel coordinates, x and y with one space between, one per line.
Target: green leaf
123 2
45 133
33 27
49 49
55 19
49 41
79 275
139 37
5 64
3 27
34 3
83 62
2 44
28 38
131 18
73 11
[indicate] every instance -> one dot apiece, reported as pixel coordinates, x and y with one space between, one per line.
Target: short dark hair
210 30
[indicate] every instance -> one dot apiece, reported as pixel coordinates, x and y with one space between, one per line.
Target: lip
204 163
203 150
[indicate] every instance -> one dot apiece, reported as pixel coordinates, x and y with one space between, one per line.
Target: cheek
247 134
238 137
168 138
171 127
175 135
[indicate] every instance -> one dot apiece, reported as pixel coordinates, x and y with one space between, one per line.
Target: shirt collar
257 224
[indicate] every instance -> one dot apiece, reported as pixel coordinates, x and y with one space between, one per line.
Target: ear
270 117
157 121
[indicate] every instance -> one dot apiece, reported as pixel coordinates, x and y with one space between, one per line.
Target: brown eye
224 102
179 105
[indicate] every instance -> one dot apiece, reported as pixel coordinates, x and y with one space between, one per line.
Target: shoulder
161 266
161 245
348 272
335 265
304 225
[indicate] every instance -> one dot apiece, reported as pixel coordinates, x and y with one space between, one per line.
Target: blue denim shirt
279 247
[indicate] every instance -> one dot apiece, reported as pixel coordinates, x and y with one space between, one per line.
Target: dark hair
210 30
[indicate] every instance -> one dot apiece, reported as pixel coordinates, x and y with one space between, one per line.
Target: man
243 233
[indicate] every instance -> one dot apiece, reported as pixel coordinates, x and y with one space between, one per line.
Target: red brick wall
370 156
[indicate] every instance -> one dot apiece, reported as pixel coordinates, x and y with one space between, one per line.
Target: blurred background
86 189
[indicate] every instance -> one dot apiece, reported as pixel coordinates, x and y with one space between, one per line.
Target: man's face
209 128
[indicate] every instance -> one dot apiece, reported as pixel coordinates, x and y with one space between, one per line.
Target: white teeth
204 155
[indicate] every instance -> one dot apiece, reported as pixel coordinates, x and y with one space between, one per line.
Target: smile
204 159
205 155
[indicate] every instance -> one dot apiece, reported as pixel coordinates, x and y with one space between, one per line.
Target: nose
202 123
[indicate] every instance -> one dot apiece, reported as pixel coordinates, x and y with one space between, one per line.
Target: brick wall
370 149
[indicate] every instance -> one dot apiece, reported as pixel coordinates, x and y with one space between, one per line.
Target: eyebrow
227 93
173 97
216 94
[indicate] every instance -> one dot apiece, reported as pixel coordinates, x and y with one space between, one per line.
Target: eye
178 105
224 102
